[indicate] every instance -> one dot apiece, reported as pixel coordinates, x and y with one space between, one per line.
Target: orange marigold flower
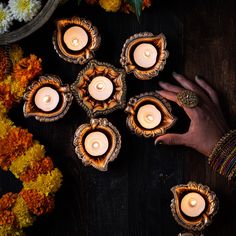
7 218
7 201
41 167
127 8
13 145
38 203
27 68
5 95
4 63
147 3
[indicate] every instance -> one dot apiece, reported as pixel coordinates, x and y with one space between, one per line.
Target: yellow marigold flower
16 53
5 126
32 155
9 230
23 216
46 183
3 110
110 5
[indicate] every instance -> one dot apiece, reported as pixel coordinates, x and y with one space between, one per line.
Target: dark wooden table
133 196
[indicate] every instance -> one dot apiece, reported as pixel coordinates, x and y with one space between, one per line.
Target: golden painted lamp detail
149 115
144 54
76 39
47 99
100 88
194 206
97 143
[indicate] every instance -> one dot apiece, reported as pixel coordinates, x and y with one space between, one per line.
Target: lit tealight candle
96 143
75 38
100 88
149 116
46 99
193 204
145 55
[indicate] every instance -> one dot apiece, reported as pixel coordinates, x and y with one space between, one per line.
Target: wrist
223 156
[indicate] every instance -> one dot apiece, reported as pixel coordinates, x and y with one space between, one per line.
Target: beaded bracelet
223 156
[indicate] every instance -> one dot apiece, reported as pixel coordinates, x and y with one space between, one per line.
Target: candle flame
75 42
100 86
192 202
95 145
47 99
149 118
147 53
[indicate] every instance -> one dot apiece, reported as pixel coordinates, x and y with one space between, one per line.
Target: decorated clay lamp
76 39
97 143
100 88
47 99
144 54
149 115
193 207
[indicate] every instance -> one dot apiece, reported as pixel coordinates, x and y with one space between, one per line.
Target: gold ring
187 98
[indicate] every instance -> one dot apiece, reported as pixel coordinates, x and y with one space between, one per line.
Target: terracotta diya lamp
47 99
149 115
144 54
194 206
188 233
100 88
97 143
76 39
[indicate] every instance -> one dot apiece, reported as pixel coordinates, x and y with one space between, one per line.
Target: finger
173 97
171 139
187 84
208 89
170 87
168 95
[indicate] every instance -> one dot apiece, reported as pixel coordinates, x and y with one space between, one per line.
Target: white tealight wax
149 116
193 204
46 99
96 143
100 88
145 55
75 38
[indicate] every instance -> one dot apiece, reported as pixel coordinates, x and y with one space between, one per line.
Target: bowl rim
38 21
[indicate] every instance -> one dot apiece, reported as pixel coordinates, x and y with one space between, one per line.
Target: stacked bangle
223 156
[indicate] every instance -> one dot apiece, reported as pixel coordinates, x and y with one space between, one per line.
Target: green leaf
137 5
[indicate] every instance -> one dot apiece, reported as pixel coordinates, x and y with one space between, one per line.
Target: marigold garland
116 5
19 153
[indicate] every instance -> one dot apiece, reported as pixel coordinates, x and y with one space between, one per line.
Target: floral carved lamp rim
120 104
85 54
115 143
63 90
144 37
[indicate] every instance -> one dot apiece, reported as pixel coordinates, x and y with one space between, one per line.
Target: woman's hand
207 121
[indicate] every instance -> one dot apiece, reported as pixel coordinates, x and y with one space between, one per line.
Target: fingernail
158 142
197 77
